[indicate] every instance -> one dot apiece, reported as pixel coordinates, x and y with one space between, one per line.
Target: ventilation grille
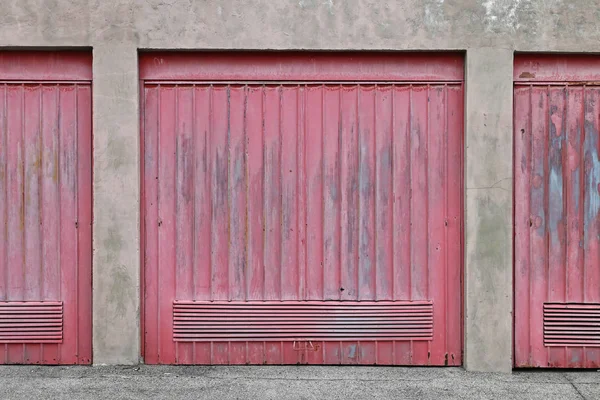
31 322
571 324
302 321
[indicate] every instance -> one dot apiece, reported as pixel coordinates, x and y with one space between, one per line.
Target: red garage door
557 200
302 208
45 208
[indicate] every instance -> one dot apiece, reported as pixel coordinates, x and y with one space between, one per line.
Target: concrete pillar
488 210
116 260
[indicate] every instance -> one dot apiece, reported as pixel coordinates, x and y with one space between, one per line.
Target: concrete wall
489 30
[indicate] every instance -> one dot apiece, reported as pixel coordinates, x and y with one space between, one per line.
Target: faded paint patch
592 175
352 351
185 167
555 202
573 165
555 189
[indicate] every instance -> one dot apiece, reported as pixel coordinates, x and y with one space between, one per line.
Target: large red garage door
45 208
302 208
557 201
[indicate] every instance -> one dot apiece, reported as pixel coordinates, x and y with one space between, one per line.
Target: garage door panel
67 181
557 160
330 223
255 203
50 190
575 187
167 218
290 112
184 196
437 213
384 192
237 193
150 223
50 200
349 196
522 219
366 194
297 192
272 192
454 115
314 192
274 138
32 169
556 219
15 181
418 188
4 154
184 200
46 206
591 278
402 353
401 176
84 222
539 191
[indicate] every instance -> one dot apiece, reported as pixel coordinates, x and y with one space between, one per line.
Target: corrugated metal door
45 208
557 177
302 209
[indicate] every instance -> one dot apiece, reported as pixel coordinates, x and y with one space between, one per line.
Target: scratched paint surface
45 211
298 192
557 200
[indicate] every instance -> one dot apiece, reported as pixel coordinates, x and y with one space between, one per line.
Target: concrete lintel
116 260
488 210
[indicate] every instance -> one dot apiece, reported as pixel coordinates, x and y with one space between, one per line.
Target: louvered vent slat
301 321
571 324
31 322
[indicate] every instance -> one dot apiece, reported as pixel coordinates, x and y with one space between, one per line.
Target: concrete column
116 271
488 208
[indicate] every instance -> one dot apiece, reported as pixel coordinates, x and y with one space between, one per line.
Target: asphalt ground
290 382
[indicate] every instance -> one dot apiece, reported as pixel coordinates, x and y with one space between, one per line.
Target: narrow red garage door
45 208
302 208
557 200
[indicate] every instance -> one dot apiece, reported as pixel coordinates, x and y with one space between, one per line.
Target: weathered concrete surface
116 277
488 210
345 383
524 25
489 30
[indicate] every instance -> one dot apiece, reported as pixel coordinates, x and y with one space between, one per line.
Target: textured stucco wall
489 30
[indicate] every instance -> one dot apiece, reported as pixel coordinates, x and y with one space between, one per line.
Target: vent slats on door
571 324
31 322
285 321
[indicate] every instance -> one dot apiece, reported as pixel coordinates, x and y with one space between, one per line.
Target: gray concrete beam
116 260
488 210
